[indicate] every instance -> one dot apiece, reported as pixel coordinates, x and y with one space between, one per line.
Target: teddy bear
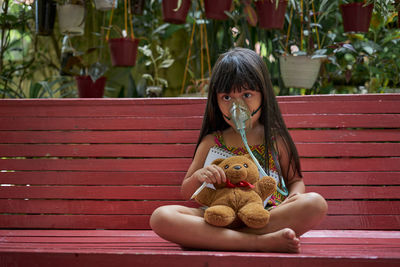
240 199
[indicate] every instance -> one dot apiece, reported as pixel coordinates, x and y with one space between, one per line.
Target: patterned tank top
258 152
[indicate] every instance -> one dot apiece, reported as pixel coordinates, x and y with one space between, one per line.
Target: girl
242 74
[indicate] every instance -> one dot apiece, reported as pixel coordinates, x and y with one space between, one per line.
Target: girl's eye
226 97
247 95
226 167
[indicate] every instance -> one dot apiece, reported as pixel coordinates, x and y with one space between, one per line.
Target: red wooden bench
80 178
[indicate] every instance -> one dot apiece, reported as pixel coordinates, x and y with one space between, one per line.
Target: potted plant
356 15
216 9
162 60
71 17
175 11
45 15
271 13
300 65
123 49
105 5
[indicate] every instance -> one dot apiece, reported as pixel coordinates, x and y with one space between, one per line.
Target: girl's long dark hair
238 69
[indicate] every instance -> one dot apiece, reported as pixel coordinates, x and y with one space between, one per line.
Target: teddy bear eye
226 167
245 165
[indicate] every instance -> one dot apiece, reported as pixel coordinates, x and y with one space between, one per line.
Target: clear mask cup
240 115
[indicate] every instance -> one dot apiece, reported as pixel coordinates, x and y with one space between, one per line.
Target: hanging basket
172 16
105 5
299 71
45 16
270 17
216 9
71 19
89 89
123 51
356 17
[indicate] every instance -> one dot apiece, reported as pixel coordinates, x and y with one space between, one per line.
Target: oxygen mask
240 115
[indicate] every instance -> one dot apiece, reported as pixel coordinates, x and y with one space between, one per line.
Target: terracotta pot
123 51
45 16
215 9
299 71
270 17
356 17
89 89
176 17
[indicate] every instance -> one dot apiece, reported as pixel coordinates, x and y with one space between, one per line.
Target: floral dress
258 152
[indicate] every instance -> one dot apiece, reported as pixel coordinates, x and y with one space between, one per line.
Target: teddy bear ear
217 161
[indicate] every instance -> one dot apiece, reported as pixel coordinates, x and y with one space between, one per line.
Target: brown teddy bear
240 199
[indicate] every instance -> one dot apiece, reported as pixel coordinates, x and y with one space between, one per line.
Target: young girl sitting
241 75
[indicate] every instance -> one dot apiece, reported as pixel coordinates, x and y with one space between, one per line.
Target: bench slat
140 222
193 123
173 192
100 207
181 164
187 150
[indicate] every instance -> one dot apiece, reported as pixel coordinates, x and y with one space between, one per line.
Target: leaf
368 49
350 47
163 82
166 63
251 15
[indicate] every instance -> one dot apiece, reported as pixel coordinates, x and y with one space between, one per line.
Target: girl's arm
197 174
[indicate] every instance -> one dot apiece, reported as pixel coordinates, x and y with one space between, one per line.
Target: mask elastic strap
255 111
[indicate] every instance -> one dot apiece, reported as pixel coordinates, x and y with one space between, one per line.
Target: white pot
71 19
299 71
105 4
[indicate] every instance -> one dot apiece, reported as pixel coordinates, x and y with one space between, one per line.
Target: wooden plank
356 192
362 222
175 164
193 122
90 207
93 178
187 150
99 150
92 192
100 137
341 135
117 207
349 149
182 164
351 178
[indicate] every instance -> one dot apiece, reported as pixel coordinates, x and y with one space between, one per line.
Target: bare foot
284 240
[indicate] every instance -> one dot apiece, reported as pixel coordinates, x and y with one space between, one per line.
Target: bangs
236 74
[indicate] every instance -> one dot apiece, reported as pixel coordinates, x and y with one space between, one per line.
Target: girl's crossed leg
186 227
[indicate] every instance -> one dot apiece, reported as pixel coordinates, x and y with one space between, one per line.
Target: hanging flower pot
123 51
269 16
105 5
71 19
45 15
216 9
89 89
299 71
174 13
356 17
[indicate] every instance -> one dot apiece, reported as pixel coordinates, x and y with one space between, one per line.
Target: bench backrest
107 164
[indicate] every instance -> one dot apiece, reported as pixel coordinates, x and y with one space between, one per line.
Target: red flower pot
270 17
123 51
89 89
215 9
356 17
176 17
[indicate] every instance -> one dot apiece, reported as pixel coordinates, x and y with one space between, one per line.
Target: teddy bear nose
237 167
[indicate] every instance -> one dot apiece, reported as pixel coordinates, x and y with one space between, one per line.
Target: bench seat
79 179
145 248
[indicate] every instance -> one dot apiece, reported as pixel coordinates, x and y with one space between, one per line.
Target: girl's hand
210 174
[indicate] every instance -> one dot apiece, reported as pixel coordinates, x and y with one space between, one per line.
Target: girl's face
251 98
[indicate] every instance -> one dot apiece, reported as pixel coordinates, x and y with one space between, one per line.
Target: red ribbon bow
239 184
